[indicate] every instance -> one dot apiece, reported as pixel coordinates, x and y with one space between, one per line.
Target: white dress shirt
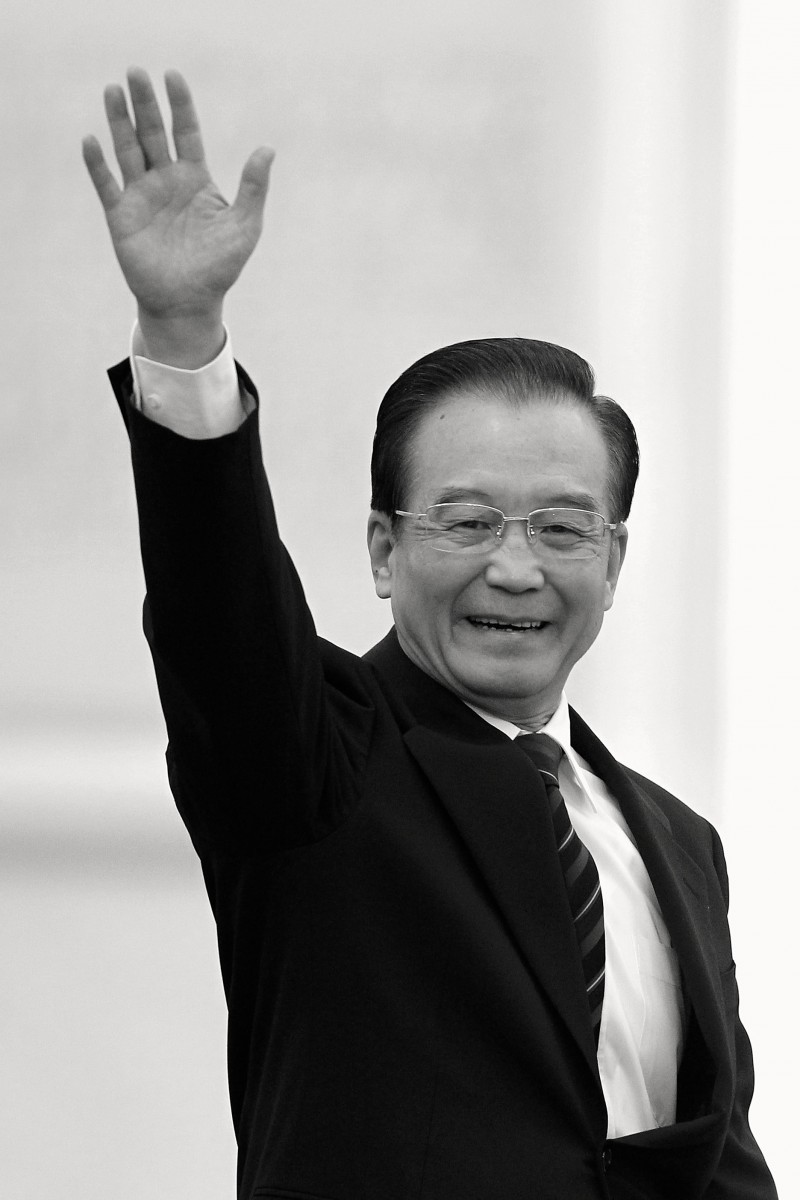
642 1027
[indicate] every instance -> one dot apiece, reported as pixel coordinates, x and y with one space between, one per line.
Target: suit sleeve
742 1173
267 731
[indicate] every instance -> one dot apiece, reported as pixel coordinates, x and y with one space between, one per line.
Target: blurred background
619 176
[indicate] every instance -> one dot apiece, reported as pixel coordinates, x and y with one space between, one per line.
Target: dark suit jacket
407 1012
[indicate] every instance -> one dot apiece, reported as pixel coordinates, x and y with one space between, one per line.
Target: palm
179 243
177 240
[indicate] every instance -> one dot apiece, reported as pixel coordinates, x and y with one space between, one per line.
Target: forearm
741 1173
233 642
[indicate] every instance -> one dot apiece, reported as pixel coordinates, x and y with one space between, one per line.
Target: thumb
253 185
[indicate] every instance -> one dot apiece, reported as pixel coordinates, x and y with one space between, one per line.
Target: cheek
429 577
432 601
588 601
418 587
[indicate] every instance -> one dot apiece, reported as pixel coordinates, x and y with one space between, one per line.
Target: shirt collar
557 727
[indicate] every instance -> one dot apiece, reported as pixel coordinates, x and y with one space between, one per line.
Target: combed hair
520 370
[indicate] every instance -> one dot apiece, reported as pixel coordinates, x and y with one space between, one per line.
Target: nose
515 562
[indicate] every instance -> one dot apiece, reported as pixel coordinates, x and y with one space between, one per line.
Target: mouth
498 625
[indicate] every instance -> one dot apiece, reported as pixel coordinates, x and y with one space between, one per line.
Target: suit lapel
498 804
496 801
678 881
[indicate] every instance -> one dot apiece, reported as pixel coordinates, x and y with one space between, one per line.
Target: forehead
540 453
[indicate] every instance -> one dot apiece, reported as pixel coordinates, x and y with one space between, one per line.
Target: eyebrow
465 495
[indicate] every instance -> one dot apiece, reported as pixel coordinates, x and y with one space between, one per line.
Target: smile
493 625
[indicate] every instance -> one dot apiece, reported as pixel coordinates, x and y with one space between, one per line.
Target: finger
126 144
185 126
253 185
104 182
149 125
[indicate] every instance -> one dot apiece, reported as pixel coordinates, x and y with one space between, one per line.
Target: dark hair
519 369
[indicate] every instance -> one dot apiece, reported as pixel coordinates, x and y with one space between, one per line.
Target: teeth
490 623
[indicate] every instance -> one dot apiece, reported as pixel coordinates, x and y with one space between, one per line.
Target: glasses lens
462 527
568 532
558 533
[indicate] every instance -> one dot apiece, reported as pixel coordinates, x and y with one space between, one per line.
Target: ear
381 541
616 558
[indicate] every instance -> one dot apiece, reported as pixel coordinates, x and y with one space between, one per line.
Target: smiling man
467 955
500 619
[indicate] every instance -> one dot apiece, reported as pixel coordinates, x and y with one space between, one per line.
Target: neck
528 725
535 725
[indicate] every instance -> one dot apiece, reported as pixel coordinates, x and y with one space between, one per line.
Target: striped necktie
579 870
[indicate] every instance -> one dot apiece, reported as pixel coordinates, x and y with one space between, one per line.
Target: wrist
188 341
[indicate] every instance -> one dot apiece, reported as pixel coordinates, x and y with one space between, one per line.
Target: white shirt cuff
206 403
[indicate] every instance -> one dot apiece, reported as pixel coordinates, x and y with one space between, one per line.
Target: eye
561 530
561 534
468 523
463 518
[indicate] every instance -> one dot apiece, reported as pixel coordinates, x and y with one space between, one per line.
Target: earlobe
380 541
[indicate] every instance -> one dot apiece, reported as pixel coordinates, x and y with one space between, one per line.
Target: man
466 954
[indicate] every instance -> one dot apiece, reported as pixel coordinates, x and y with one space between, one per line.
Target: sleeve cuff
200 404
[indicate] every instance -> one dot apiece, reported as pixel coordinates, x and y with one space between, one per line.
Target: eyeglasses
558 533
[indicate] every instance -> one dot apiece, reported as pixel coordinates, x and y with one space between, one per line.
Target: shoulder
672 807
692 830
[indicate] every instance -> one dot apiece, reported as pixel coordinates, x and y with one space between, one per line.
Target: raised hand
179 243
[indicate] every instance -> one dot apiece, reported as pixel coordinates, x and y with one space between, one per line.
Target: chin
496 686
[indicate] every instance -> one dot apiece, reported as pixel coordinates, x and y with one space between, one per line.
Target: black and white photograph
399 658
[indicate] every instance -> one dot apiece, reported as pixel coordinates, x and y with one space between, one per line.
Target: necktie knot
544 750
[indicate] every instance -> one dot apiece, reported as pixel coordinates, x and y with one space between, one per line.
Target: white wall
760 573
445 170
